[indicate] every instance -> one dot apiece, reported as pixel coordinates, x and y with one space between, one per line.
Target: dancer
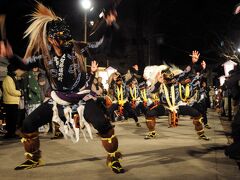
121 98
60 56
169 88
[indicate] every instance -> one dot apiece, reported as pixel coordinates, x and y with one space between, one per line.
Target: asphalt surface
176 153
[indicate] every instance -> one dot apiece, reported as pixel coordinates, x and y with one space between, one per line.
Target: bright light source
86 4
238 49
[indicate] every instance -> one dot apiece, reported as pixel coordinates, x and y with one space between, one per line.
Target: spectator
32 91
233 84
225 101
11 99
212 97
97 87
100 84
44 86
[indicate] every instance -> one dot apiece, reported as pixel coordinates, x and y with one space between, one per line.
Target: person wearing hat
11 98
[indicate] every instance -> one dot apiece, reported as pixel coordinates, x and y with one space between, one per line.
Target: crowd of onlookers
219 100
22 92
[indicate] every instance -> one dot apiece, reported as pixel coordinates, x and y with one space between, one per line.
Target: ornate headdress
37 31
44 24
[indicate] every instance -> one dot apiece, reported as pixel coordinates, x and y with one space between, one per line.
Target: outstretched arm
26 64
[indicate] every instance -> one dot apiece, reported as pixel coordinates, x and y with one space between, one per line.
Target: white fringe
84 125
68 128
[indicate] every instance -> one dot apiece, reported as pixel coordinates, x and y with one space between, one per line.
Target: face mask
60 31
66 46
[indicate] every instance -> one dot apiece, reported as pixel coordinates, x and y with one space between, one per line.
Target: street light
86 5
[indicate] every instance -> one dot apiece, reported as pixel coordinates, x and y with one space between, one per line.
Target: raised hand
94 66
195 56
111 17
203 64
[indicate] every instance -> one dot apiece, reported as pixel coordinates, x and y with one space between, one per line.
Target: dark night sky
172 27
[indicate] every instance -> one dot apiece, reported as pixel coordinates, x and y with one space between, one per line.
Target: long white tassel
57 120
83 122
73 132
67 127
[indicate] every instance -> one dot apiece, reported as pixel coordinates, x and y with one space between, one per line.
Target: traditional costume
120 102
172 98
52 48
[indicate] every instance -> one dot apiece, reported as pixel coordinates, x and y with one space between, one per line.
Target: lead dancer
61 58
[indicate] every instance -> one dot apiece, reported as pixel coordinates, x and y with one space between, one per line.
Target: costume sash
171 104
187 92
120 95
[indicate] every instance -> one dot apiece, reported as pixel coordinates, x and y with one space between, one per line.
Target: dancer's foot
150 135
204 137
116 167
57 135
138 124
29 164
207 126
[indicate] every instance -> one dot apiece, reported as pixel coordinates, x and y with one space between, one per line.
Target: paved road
176 153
